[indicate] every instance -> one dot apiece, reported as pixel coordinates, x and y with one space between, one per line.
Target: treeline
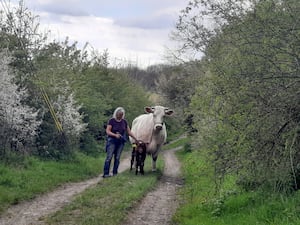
54 97
244 114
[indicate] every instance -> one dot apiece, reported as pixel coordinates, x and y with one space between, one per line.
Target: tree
19 33
57 67
246 105
69 114
19 121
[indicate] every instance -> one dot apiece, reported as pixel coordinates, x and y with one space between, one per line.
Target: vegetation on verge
202 204
24 180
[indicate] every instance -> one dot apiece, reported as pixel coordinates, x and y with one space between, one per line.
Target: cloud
159 17
133 30
67 7
137 45
150 22
64 10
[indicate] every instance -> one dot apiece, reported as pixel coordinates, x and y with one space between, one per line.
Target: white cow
151 129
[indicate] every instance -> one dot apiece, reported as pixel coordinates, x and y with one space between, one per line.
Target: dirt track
156 208
159 205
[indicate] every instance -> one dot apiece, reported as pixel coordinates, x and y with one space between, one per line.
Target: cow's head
159 112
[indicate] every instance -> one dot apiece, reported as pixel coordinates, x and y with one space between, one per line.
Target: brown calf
138 156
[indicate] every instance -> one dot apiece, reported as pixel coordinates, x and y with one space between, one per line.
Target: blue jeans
114 148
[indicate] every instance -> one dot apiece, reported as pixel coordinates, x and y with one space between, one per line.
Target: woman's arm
131 134
110 133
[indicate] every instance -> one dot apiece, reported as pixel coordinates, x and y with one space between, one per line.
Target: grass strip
110 201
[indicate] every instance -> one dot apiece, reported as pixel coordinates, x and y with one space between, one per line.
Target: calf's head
141 147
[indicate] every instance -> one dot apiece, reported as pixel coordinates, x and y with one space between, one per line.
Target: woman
116 130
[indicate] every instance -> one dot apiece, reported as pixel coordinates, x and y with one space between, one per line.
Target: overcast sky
131 30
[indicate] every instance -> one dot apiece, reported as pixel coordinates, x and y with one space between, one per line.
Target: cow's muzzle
158 126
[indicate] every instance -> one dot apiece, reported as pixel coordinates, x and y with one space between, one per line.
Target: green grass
176 143
33 177
231 206
110 201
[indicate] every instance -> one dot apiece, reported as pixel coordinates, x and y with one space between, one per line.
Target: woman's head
119 113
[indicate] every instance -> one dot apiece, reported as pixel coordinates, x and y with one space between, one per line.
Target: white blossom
18 121
69 115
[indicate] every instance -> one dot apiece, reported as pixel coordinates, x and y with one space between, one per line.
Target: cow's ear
148 109
168 112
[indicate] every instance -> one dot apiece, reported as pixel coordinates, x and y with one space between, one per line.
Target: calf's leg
137 163
143 162
142 168
154 158
132 159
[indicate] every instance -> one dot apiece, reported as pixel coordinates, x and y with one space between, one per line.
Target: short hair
119 109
